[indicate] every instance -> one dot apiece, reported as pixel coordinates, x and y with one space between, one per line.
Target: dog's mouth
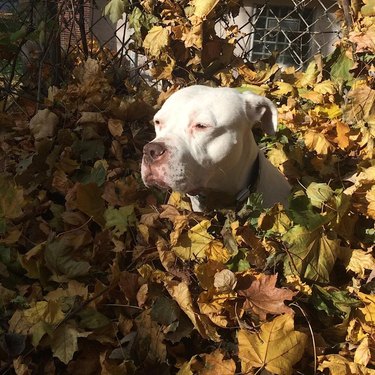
151 180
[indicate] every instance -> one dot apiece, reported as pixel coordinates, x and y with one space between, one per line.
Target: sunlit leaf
277 347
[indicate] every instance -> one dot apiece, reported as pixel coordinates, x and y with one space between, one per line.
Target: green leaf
115 9
139 20
165 311
311 255
340 69
89 150
302 213
120 219
92 319
59 259
333 302
319 193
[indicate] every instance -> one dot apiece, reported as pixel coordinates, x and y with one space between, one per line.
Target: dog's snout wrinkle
154 151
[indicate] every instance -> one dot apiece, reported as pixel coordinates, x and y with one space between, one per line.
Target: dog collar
253 179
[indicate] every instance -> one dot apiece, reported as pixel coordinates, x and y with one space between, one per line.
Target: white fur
209 145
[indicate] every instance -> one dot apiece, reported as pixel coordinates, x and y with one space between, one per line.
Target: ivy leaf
277 347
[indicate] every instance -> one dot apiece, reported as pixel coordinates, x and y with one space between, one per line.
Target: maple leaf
209 364
181 294
337 365
312 253
156 39
202 8
277 347
262 297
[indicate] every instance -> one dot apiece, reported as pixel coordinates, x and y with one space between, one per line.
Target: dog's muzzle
154 152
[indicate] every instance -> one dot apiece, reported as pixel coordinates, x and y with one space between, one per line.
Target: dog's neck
209 199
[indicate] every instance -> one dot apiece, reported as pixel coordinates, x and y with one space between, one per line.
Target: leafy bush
99 276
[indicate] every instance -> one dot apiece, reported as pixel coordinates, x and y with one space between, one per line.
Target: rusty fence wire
42 40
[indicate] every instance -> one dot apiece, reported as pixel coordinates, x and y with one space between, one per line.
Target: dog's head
204 140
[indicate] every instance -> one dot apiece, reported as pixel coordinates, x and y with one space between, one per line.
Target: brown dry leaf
64 343
44 124
11 199
115 127
216 364
277 347
151 338
262 297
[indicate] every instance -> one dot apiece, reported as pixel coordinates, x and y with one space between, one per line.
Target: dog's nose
154 151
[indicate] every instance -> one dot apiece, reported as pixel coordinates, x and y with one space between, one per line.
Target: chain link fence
42 40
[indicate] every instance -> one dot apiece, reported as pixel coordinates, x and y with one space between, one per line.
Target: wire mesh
42 40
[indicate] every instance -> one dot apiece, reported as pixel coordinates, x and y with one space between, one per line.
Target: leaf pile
101 276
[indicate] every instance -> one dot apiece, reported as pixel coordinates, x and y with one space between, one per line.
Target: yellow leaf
277 347
49 312
369 309
196 243
338 365
202 8
325 87
318 142
309 76
156 39
314 96
218 252
179 201
360 261
181 294
370 197
362 354
216 306
284 88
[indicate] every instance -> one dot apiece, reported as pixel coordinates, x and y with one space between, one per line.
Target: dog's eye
156 122
200 126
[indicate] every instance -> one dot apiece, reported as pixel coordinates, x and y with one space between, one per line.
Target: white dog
204 145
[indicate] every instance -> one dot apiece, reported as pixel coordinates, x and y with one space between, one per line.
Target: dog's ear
261 110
